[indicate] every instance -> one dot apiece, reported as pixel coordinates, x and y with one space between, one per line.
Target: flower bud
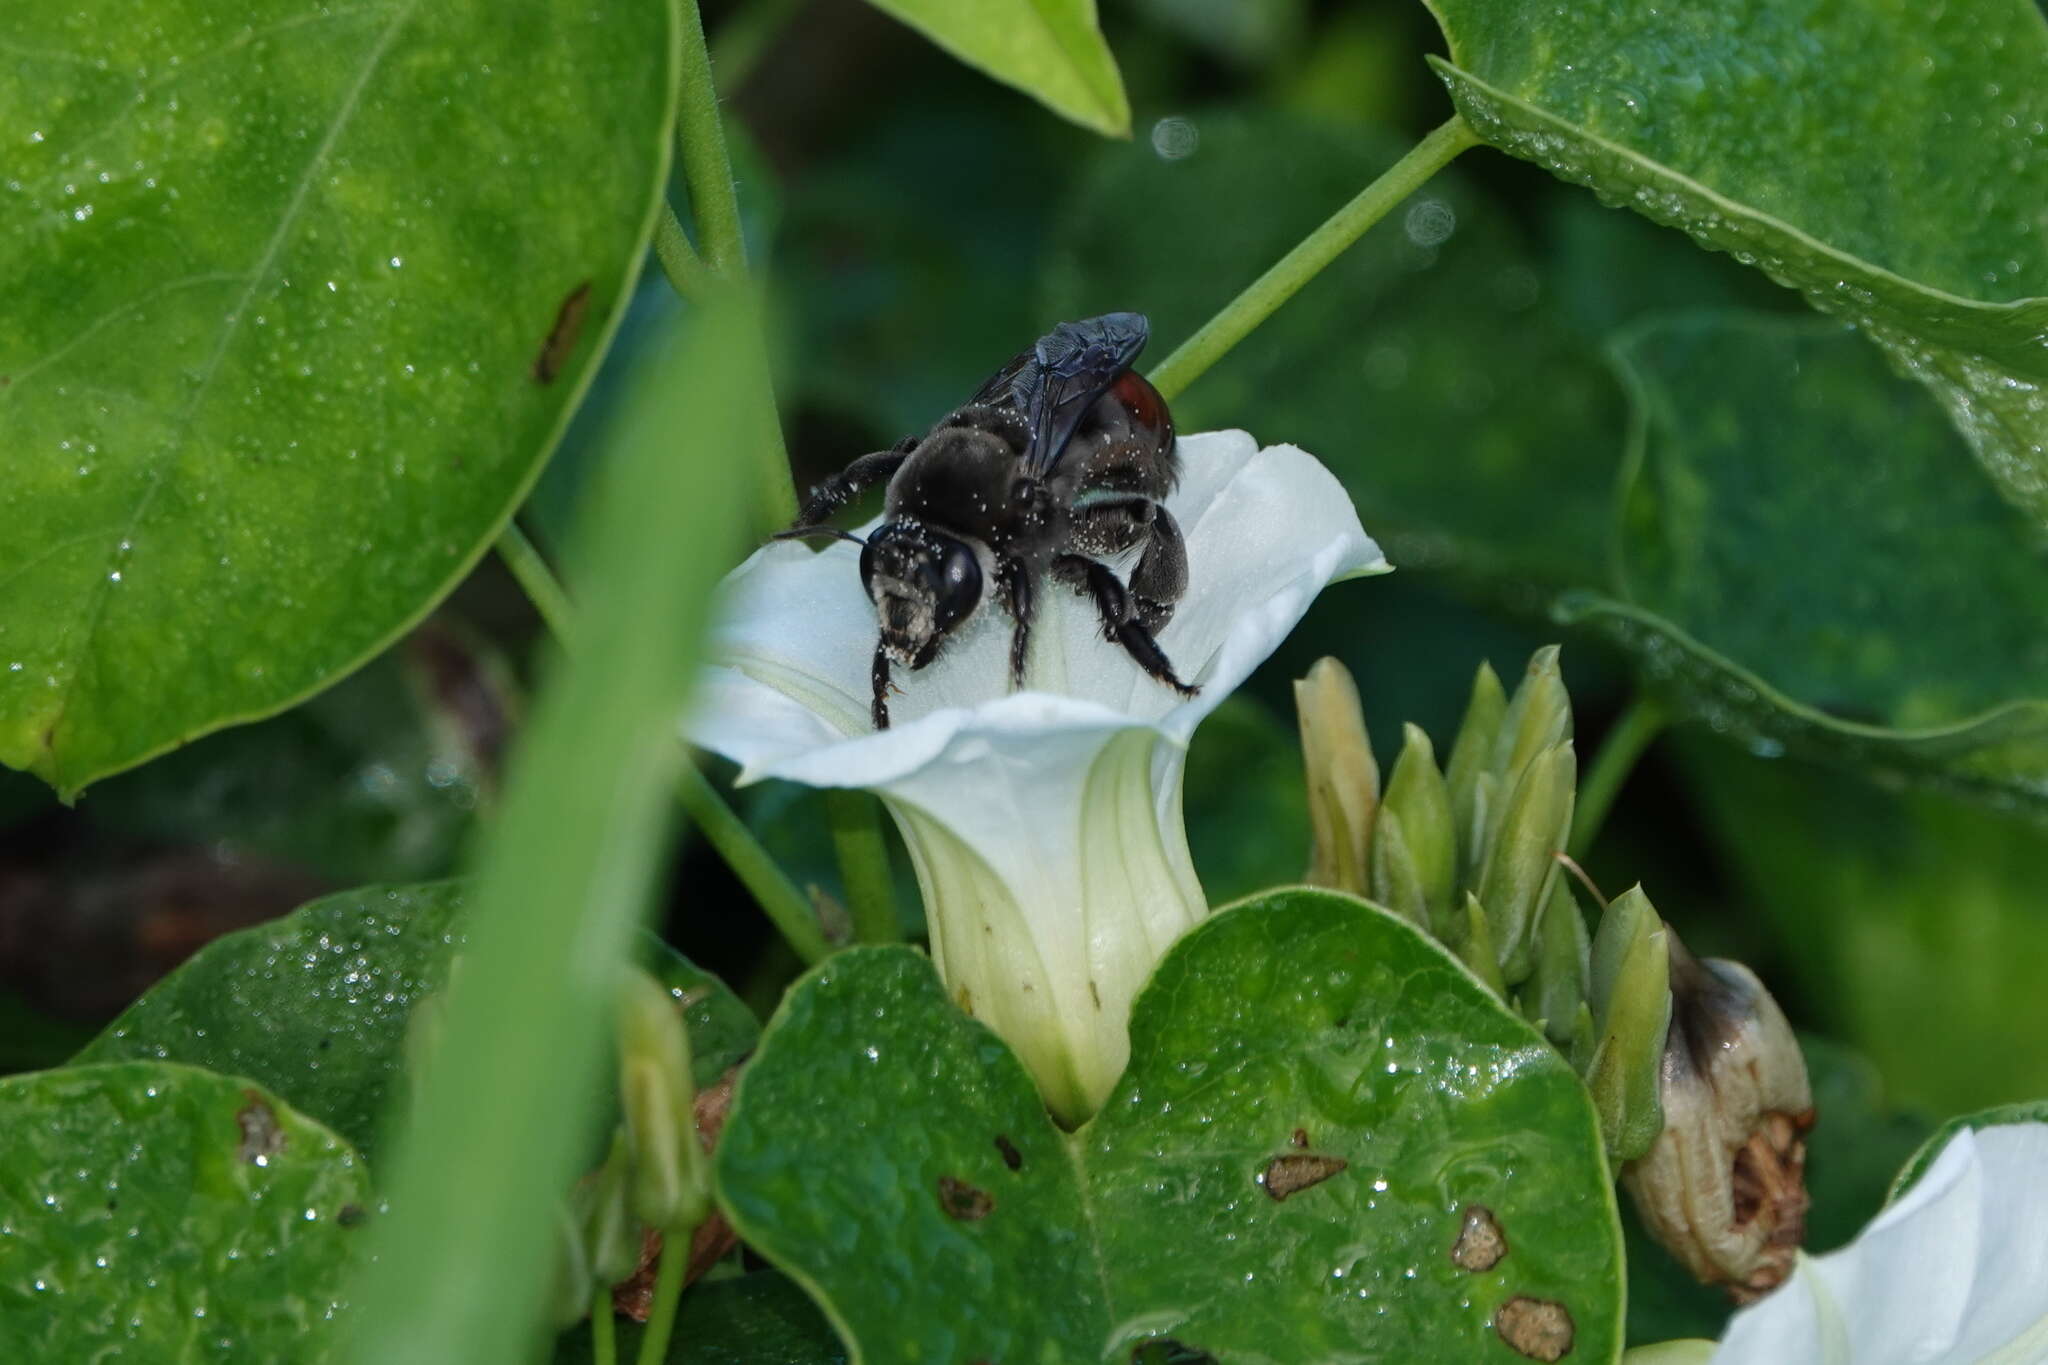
1396 880
1723 1187
1630 985
1521 861
1538 717
670 1185
1476 948
1471 753
570 1293
1418 807
611 1234
1343 777
1557 988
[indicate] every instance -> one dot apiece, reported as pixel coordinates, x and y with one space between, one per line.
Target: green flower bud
1557 989
1396 880
1471 753
1521 862
611 1234
1419 804
670 1184
1631 1008
1723 1187
1477 951
1538 717
570 1294
1343 777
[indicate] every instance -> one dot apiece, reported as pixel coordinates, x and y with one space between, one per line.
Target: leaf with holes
1797 536
159 1212
1052 50
1332 1143
299 297
1889 161
316 1005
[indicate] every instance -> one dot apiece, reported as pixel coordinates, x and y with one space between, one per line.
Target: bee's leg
1161 573
831 494
879 675
1119 621
1014 582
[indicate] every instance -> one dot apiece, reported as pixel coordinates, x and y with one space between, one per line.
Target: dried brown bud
1723 1187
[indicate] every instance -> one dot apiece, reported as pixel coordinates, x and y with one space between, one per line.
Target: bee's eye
959 584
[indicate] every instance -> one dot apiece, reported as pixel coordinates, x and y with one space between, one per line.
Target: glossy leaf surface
276 368
1318 1099
1809 564
316 1005
159 1212
1052 50
1886 160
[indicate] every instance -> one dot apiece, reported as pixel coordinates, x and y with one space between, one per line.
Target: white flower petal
1045 824
1955 1273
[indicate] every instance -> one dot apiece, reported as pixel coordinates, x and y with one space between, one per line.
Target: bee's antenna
806 532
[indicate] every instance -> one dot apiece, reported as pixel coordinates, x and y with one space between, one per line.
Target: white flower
1044 825
1955 1272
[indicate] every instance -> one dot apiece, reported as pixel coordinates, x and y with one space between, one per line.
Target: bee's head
923 583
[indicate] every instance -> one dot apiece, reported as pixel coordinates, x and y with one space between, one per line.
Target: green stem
686 271
1642 721
856 818
541 586
1318 249
779 898
604 1349
700 138
668 1287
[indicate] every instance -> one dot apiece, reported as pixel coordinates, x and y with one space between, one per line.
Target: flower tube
1044 824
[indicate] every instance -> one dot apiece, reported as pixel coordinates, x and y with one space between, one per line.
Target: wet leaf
1887 161
1052 50
1302 1027
1809 566
315 1005
277 284
159 1212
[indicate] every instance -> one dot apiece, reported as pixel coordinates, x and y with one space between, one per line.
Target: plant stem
1639 724
856 818
779 898
668 1287
700 138
1288 274
686 271
604 1349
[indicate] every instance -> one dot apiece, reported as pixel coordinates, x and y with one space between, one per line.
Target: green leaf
1882 611
159 1212
1317 1097
291 298
1429 346
315 1005
1887 905
2026 1111
1882 159
1052 50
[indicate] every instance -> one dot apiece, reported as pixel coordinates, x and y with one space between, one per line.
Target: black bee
1059 462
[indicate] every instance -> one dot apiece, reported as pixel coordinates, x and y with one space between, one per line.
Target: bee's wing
1065 373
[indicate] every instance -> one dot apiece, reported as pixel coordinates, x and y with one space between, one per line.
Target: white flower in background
1045 825
1954 1273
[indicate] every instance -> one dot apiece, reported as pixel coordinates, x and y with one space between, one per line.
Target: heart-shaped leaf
316 1005
1052 50
1809 566
1886 160
297 303
1332 1143
159 1212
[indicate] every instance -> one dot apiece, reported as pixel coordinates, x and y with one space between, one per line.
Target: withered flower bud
1723 1187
